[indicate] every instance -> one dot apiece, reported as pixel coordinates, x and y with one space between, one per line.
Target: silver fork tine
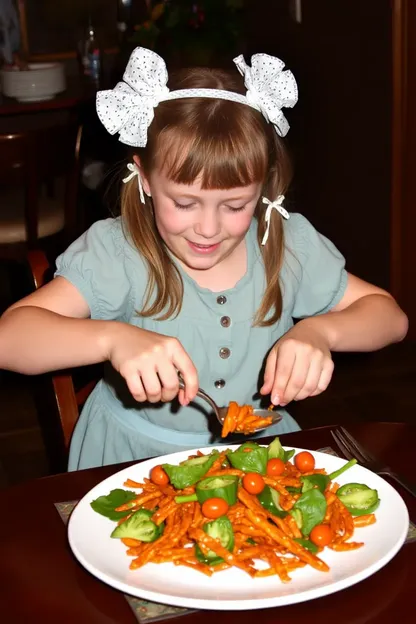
340 442
365 455
352 449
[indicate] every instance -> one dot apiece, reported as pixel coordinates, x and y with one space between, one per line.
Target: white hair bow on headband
129 108
269 88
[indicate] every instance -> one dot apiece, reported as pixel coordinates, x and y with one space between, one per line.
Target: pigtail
164 288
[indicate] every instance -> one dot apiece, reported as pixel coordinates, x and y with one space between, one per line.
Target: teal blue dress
215 328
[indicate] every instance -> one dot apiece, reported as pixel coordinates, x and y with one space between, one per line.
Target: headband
128 109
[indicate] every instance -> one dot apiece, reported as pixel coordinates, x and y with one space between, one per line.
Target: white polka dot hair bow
128 109
269 88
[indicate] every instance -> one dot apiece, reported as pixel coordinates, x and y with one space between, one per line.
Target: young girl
203 273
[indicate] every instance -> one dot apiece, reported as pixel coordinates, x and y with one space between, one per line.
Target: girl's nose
208 223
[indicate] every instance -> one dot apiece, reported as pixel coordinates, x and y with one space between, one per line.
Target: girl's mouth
203 249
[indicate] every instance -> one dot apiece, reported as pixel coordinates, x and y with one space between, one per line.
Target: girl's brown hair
229 145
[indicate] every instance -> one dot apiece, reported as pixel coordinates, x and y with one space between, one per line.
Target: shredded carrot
259 535
241 419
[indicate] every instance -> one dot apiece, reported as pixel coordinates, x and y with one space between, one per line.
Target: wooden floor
376 386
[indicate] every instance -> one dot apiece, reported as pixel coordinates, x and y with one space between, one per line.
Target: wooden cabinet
403 210
353 136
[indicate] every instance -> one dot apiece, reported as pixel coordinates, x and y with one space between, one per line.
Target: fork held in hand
352 449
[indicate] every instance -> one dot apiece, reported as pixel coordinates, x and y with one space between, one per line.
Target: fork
353 450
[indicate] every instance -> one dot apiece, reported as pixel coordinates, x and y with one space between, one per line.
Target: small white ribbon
276 205
135 171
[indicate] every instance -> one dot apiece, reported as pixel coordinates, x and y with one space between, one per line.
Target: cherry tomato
321 535
304 461
214 507
253 482
275 467
158 476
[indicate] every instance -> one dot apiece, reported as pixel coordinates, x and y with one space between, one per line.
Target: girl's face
201 227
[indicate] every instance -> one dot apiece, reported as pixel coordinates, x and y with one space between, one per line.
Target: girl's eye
182 206
236 209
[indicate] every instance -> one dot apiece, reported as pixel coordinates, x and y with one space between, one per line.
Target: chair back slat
68 401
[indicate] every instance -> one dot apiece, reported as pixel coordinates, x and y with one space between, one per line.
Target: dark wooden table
77 92
40 580
23 117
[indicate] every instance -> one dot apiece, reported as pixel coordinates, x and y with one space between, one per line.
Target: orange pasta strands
241 419
258 534
362 521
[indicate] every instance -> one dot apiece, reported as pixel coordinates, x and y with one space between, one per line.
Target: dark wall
55 26
340 54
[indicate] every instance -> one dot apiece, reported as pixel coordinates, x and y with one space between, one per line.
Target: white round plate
233 589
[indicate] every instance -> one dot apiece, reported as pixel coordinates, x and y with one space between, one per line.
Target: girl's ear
144 180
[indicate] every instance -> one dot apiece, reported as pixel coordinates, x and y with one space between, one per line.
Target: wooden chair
39 179
60 395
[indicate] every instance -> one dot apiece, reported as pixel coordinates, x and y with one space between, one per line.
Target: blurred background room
352 140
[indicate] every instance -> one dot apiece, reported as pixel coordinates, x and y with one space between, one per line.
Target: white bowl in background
41 81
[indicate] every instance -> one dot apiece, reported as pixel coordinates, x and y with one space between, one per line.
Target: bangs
222 152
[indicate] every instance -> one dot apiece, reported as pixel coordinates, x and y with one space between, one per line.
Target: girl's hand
299 365
149 362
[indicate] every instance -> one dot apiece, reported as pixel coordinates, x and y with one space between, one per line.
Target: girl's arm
367 318
50 330
300 364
